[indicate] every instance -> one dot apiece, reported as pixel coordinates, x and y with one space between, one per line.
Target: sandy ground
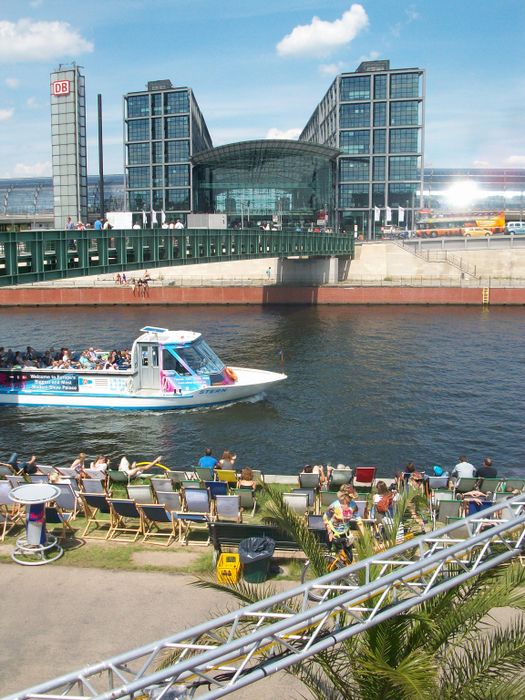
59 619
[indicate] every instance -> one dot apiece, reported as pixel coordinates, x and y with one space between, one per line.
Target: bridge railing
34 256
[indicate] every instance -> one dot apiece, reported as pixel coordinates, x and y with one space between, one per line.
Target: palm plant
446 648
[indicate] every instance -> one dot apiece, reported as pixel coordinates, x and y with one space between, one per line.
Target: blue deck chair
98 514
56 516
10 513
217 488
196 514
126 520
154 517
67 499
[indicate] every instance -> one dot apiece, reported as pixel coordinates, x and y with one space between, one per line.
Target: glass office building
375 118
163 129
268 182
68 144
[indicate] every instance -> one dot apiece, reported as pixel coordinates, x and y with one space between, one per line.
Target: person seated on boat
227 461
316 469
208 460
246 480
78 463
29 364
132 470
84 361
102 462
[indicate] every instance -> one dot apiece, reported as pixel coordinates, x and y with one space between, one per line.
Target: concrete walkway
57 619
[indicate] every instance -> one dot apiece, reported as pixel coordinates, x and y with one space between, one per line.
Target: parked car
476 232
515 227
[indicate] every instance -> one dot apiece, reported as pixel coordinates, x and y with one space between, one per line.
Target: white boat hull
250 382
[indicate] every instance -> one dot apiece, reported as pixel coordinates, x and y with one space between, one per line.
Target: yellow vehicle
476 232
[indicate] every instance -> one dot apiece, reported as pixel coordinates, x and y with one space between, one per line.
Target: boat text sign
36 383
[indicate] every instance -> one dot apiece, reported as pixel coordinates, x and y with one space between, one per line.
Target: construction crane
220 656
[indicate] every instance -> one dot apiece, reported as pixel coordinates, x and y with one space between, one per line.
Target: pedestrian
269 273
69 224
179 224
98 225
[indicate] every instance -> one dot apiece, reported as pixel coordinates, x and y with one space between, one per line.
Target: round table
34 548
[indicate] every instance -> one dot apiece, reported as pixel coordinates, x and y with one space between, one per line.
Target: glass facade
286 183
164 128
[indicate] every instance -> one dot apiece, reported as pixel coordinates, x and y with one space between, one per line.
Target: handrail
288 628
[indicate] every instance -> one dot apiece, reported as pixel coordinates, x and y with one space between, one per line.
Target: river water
367 385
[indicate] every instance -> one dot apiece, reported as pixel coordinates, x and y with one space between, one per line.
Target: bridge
35 256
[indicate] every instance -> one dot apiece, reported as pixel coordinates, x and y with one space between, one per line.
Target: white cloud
280 134
27 40
32 170
35 3
330 68
481 164
319 38
516 161
6 114
12 82
372 56
32 103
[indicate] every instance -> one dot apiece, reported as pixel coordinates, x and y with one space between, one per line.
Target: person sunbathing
133 470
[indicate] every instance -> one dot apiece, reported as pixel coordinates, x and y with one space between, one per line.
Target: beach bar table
36 547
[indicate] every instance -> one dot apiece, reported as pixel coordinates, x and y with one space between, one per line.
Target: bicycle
338 556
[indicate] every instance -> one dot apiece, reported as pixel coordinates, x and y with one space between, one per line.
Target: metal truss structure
249 644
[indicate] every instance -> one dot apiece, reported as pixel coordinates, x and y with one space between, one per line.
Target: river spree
367 385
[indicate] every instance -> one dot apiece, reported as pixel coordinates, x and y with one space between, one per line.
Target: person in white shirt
464 469
179 224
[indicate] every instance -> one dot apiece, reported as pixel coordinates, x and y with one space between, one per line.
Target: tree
446 648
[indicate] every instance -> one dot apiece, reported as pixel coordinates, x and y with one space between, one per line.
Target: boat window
144 354
154 356
170 362
200 358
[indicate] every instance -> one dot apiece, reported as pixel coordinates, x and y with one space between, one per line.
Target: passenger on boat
227 461
102 462
78 463
207 460
246 480
132 470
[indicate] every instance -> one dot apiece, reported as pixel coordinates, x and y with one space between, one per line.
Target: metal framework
237 649
33 256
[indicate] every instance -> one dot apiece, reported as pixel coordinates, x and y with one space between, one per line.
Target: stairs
441 256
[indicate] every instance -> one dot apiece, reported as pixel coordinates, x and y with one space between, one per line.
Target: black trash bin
255 554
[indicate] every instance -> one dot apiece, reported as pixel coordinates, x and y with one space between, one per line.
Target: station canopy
280 180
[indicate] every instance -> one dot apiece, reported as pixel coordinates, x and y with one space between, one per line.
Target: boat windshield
200 358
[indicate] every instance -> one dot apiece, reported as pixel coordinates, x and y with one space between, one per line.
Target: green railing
34 256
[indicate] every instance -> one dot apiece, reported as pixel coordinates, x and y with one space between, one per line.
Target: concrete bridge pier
312 271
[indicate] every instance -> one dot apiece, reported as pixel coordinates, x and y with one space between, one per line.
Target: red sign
60 87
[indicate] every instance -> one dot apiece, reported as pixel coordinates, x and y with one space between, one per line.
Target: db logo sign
60 87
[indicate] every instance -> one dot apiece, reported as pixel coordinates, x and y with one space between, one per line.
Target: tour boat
168 370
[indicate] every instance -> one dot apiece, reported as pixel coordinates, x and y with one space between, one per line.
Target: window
138 177
404 85
380 87
404 140
157 180
138 130
355 88
177 127
177 175
139 200
156 201
351 196
354 142
379 169
404 167
156 104
352 169
404 113
156 152
178 200
378 195
402 195
176 102
138 153
380 114
177 151
156 129
380 141
138 106
354 115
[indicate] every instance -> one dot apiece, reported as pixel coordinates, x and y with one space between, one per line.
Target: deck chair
154 517
447 510
364 478
67 471
171 500
217 488
38 478
204 473
297 502
466 483
15 481
190 484
6 470
93 486
310 481
176 476
326 497
67 499
126 520
196 514
437 482
228 475
160 484
140 493
363 511
491 484
338 477
115 476
95 473
46 469
312 498
10 514
228 508
248 500
56 516
258 476
316 525
514 484
98 513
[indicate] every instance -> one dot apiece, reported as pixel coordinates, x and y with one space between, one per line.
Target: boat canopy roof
152 334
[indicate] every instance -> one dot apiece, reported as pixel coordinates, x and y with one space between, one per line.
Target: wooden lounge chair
197 513
228 475
248 500
98 514
228 508
161 484
297 502
93 486
364 478
126 520
56 516
171 500
154 517
140 493
10 513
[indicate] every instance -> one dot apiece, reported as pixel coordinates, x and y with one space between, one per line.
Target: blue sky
259 68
